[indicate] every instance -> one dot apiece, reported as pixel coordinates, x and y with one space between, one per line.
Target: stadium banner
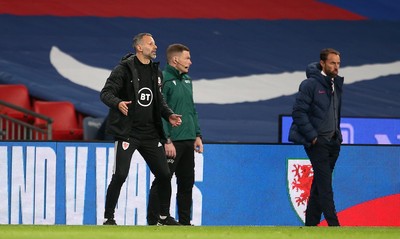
235 184
356 130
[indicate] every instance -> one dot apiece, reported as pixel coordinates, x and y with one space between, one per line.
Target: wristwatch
168 141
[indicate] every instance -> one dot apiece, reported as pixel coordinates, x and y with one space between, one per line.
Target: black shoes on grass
110 221
169 221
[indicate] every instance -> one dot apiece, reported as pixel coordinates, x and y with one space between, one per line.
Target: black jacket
123 85
312 104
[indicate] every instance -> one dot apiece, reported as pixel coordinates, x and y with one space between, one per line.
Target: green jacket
178 93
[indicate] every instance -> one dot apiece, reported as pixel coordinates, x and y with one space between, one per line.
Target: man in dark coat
133 93
316 125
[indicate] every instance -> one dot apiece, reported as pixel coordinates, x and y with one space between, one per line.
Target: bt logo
145 97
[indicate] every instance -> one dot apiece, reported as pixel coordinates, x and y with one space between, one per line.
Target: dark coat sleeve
112 92
302 130
302 110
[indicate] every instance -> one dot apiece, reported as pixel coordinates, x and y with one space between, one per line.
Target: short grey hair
138 38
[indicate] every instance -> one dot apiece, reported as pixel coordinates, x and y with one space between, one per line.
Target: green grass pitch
196 232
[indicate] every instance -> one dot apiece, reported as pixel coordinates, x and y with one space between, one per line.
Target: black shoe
186 224
110 221
151 222
169 221
152 219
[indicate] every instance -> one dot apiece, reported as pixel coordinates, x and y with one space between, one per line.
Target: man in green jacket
182 141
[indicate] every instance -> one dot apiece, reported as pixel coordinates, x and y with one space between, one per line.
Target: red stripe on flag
181 9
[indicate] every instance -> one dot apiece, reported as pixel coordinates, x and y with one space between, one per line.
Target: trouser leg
185 180
323 157
313 211
120 173
154 155
153 207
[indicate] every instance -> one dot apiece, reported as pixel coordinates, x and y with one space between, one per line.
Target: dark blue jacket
312 104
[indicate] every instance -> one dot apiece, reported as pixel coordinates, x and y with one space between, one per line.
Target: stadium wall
235 184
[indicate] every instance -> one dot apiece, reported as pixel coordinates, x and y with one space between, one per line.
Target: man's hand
314 141
123 107
170 150
175 120
198 145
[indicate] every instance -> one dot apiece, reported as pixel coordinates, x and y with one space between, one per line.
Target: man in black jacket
133 94
316 125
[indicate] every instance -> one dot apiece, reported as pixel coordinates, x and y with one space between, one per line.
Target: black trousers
154 155
323 156
183 167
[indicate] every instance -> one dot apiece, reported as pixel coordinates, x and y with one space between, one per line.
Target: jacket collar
173 72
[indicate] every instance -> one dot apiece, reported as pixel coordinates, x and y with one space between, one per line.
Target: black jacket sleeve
111 94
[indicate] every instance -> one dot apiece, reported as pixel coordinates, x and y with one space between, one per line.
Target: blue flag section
235 184
247 64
